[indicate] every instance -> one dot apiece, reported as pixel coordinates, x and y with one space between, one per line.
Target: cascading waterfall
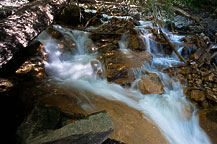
172 113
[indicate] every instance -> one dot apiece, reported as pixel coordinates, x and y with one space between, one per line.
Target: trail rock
43 125
197 95
150 84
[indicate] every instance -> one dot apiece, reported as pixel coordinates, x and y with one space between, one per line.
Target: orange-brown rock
118 65
150 84
208 121
198 95
136 41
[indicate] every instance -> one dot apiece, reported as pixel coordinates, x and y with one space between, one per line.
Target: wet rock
46 125
136 42
133 44
55 33
97 68
150 84
65 43
197 95
118 65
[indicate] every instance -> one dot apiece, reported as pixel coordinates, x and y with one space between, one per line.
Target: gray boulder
42 126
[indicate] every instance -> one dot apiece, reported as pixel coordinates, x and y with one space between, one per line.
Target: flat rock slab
94 128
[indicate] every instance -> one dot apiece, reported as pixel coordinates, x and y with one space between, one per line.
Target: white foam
169 111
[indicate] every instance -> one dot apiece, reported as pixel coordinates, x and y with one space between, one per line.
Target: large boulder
48 124
119 65
150 84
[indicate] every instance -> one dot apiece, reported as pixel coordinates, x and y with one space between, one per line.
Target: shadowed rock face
71 15
208 121
42 126
20 28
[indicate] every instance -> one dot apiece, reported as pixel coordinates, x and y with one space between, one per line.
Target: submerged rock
43 125
150 84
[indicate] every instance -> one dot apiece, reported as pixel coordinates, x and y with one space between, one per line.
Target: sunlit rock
5 85
119 64
150 84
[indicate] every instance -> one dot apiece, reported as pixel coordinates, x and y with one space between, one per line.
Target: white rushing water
172 113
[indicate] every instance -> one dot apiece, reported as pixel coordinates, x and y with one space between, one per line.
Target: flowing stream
174 115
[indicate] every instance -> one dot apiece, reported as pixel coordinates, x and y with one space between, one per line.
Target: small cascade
123 43
171 111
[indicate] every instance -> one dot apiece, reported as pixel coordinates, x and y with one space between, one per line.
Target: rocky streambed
117 65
